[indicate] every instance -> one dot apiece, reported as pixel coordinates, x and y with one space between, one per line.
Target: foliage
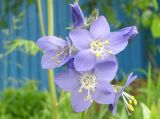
17 14
25 102
14 8
24 45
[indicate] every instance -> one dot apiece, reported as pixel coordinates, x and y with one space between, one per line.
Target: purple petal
70 64
129 32
113 107
47 43
107 70
49 61
77 16
69 42
100 28
130 79
78 101
84 60
104 93
105 57
68 80
119 40
81 38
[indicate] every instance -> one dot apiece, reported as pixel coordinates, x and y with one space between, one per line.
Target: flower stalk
40 14
50 8
51 83
83 115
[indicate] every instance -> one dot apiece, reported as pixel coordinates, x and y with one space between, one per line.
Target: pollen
129 101
106 42
58 61
98 54
97 47
110 51
99 44
88 83
135 102
132 97
130 108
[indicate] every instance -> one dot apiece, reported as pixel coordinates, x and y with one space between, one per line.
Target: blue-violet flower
56 51
98 44
77 16
89 86
129 101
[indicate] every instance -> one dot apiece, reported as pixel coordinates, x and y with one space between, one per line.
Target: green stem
83 115
50 16
76 1
149 83
52 88
88 112
40 14
50 8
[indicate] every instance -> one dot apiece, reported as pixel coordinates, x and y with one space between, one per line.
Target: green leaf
154 112
155 4
25 45
124 114
146 18
93 16
146 111
155 27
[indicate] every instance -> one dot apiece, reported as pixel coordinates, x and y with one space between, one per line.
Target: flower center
98 47
129 101
88 82
61 54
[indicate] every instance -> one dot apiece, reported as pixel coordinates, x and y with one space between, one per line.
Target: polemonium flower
70 64
129 101
77 16
98 44
89 86
56 51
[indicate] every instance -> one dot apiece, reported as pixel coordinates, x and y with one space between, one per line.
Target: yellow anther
110 51
130 101
58 61
53 58
130 108
89 98
98 54
132 97
58 54
93 43
99 44
135 102
106 42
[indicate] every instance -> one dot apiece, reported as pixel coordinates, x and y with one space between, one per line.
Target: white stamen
88 82
125 103
63 52
98 47
129 101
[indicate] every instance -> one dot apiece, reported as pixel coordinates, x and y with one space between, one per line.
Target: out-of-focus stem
50 8
83 115
40 14
76 1
52 88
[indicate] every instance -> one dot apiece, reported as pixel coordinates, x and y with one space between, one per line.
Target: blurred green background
24 85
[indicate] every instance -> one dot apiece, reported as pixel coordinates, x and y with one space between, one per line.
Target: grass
27 102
